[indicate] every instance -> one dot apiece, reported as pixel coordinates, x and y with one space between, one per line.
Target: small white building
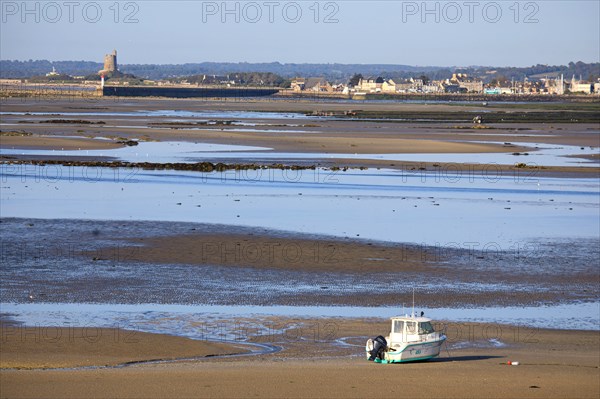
53 72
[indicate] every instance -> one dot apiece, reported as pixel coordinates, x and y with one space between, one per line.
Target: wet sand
335 137
43 347
116 104
553 364
268 250
136 123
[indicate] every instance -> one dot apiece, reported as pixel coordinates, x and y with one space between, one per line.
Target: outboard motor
379 345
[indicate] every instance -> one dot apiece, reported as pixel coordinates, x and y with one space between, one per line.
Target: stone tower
110 65
110 61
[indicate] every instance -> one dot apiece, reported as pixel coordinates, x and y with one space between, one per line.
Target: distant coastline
14 88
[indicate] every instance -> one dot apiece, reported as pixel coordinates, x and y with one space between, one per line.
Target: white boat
411 338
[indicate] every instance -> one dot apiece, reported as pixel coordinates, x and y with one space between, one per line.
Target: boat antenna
413 309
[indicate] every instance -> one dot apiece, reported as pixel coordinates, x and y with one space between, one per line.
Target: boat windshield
425 328
398 326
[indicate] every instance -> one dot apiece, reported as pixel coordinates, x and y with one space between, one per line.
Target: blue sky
445 33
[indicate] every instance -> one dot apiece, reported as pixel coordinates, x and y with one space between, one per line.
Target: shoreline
97 301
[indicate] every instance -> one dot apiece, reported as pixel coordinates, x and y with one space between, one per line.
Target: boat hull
413 352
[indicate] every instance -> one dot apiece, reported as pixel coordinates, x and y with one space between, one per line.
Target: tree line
335 73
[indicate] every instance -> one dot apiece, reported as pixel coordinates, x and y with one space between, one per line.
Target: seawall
184 92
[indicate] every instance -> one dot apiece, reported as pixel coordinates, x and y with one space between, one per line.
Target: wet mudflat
463 236
116 262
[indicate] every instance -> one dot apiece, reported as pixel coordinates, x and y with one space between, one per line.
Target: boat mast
413 308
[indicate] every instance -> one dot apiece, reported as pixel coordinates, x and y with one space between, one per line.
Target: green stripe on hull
415 359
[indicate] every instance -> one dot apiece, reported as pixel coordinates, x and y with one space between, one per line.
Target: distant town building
417 84
396 86
433 87
454 88
492 90
498 90
298 84
464 81
411 85
370 84
473 86
318 85
389 86
406 86
577 86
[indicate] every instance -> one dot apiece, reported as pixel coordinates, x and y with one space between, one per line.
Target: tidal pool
175 151
193 321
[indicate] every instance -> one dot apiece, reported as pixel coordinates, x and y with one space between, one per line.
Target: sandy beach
552 364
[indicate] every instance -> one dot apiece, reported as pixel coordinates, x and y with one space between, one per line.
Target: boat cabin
410 329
